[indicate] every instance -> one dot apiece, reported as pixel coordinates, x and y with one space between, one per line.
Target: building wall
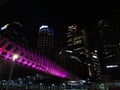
15 32
77 42
45 42
77 39
108 48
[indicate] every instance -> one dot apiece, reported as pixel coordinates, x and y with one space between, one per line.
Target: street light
14 58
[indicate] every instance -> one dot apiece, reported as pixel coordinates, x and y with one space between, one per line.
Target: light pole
14 58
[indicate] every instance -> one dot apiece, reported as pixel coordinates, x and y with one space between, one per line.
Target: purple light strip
38 62
5 44
9 52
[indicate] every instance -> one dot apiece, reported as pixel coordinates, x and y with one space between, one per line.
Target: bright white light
15 57
68 51
111 66
4 27
72 81
63 83
83 81
43 26
94 56
52 84
70 27
96 51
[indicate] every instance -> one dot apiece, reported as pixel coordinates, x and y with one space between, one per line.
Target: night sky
57 14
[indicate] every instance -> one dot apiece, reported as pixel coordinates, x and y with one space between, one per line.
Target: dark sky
57 14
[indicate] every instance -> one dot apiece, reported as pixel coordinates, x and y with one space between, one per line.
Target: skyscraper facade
77 39
77 43
96 67
109 53
45 42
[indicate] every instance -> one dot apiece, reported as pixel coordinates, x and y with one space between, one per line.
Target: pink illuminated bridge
8 49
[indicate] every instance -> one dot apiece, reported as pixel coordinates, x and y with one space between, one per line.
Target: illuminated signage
111 66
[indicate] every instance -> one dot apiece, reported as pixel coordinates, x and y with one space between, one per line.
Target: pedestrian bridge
12 52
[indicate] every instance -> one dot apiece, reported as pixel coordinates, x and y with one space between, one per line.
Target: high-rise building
96 67
73 63
45 42
15 32
108 49
77 43
77 39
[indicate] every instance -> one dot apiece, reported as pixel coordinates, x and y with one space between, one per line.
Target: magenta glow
32 60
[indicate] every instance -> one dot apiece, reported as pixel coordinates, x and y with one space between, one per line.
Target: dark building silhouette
109 53
75 56
15 32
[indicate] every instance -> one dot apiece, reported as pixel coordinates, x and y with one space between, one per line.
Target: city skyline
60 40
58 15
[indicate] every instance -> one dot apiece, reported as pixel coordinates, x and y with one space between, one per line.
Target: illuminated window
109 56
69 35
107 52
69 44
69 40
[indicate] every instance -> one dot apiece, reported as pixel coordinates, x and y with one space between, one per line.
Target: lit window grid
45 64
45 41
